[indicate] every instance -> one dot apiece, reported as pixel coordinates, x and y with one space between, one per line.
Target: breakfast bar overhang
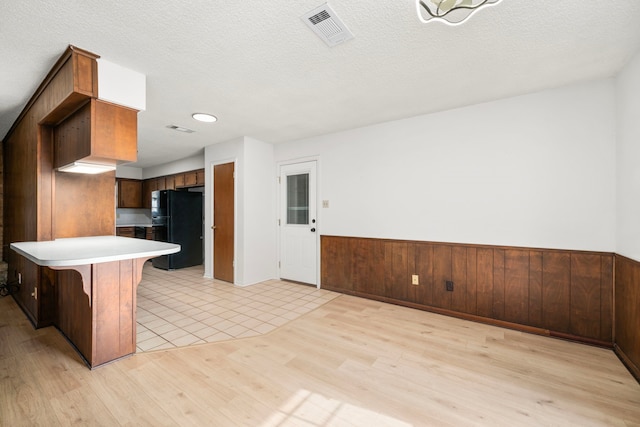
96 279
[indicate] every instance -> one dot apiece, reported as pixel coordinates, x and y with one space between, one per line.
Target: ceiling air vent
326 24
181 129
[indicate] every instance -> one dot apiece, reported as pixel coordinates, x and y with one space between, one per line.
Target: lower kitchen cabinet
36 292
126 231
140 232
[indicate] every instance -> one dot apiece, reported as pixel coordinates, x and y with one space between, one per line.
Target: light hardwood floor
351 362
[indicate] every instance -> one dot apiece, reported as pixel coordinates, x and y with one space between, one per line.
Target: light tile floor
180 308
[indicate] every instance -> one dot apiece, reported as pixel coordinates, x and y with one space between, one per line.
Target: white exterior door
298 236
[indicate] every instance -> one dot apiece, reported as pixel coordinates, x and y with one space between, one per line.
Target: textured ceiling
258 67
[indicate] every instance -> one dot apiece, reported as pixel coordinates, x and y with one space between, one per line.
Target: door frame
280 199
212 165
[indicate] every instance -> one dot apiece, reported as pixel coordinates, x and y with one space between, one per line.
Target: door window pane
298 199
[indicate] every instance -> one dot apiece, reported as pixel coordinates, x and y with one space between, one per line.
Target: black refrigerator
176 217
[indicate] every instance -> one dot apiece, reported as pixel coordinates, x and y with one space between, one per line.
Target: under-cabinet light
88 168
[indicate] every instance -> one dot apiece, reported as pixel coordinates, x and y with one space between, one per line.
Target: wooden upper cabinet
98 132
161 183
190 179
178 180
193 178
115 132
148 186
85 71
169 182
129 193
71 83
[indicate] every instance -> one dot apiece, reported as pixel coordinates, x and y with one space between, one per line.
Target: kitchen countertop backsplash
129 217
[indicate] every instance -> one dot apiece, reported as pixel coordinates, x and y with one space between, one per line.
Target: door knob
313 230
213 227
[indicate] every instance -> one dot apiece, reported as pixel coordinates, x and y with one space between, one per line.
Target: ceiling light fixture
451 12
204 117
88 168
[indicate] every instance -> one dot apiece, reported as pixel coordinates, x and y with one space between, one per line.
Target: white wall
121 85
536 170
127 216
628 160
255 242
182 165
177 166
260 212
128 172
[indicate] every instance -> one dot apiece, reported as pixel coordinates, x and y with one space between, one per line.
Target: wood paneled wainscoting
562 293
627 318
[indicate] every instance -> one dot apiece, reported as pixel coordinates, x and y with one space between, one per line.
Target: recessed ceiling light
203 117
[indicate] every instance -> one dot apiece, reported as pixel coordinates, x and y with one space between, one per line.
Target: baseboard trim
478 319
631 367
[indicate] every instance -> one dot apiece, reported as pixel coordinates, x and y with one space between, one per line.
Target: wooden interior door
223 221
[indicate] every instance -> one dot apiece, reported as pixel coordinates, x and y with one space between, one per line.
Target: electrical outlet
325 204
449 284
19 278
414 279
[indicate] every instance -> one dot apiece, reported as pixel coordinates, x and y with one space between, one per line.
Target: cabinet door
169 183
161 183
46 297
36 292
129 193
178 180
126 231
148 186
200 177
190 179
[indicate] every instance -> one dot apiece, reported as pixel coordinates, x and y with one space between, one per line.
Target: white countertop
132 224
91 250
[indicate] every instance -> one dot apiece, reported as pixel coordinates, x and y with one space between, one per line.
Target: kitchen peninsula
101 321
63 148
